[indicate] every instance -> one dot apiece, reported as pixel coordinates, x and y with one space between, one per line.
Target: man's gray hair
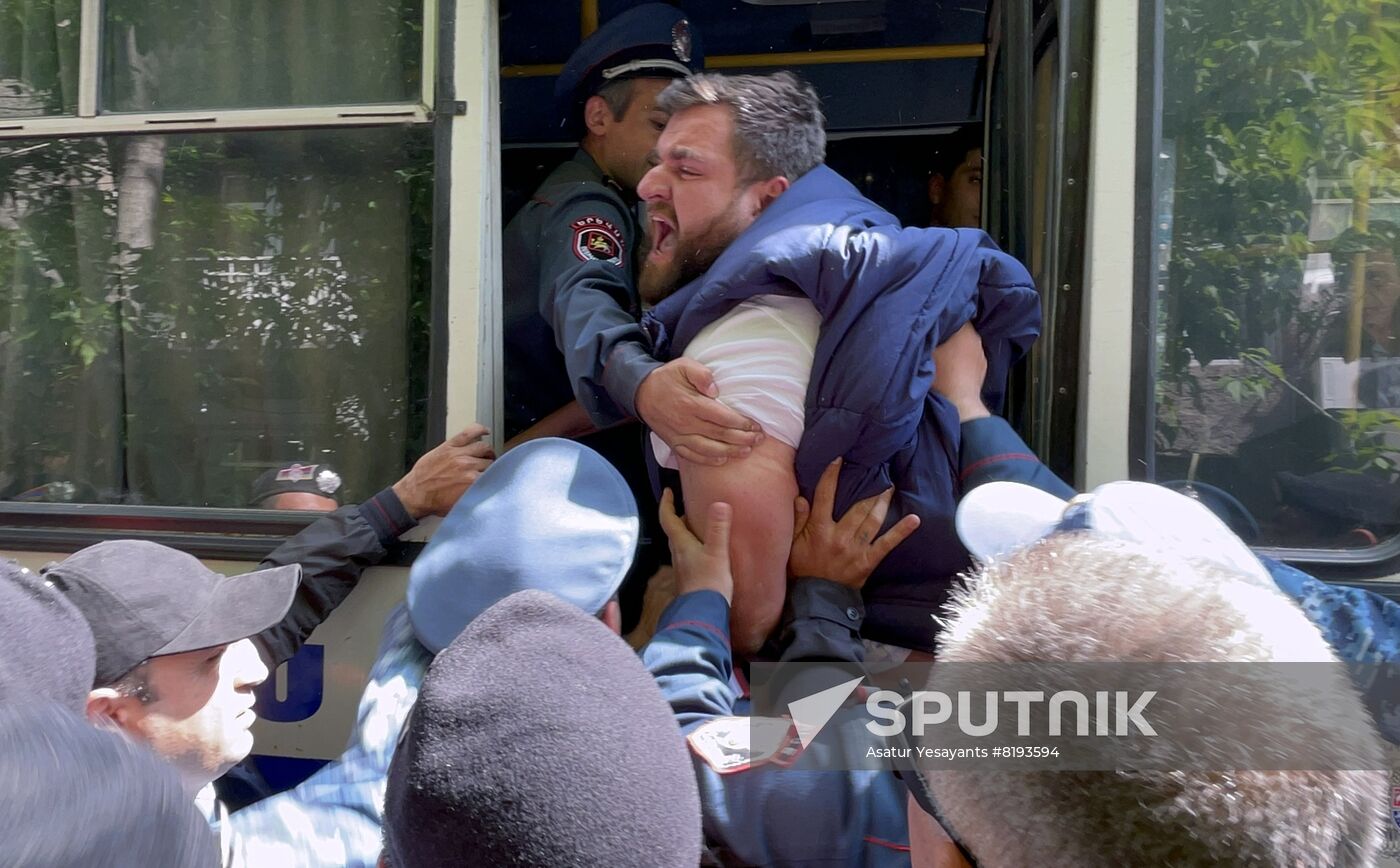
1079 598
779 128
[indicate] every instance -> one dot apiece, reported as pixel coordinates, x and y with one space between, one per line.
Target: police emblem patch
680 40
596 238
296 473
328 481
1395 806
735 744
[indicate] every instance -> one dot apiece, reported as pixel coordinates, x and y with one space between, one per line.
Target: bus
237 235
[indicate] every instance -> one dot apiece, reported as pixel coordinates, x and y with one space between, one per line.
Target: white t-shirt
761 356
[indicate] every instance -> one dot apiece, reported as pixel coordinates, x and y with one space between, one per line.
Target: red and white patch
596 238
737 744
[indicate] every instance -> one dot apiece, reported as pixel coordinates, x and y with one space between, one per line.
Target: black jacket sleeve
332 552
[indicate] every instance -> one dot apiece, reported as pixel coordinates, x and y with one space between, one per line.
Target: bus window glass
1276 235
198 54
38 58
184 312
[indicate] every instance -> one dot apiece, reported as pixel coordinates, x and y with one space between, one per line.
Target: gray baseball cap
145 600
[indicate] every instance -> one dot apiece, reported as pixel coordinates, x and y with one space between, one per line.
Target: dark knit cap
46 646
540 741
74 796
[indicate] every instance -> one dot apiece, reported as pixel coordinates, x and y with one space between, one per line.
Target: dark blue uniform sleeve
991 451
689 657
587 296
823 623
333 551
770 815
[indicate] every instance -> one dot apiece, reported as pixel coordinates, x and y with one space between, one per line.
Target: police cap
648 41
297 478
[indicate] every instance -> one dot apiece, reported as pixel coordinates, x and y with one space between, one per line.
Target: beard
692 256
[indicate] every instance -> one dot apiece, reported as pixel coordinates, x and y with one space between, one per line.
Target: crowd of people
696 306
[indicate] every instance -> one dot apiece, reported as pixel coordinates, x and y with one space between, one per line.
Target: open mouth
663 236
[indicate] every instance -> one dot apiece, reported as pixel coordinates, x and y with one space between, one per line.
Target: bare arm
760 489
569 421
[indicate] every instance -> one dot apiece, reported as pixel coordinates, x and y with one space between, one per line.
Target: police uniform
569 286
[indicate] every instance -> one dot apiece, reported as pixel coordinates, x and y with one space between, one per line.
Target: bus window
183 310
1274 292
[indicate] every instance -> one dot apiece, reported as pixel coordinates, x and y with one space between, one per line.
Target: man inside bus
180 648
743 215
297 486
955 182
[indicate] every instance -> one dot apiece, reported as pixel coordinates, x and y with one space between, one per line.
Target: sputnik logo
811 713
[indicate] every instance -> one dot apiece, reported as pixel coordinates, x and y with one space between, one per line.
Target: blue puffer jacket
887 296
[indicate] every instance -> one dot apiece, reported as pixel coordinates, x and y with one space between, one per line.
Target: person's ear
611 616
771 189
105 705
596 115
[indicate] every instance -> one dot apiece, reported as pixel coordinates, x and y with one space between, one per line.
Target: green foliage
1257 376
1371 443
1266 101
120 322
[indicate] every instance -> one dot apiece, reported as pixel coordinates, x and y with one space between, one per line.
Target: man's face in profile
198 710
697 202
632 137
957 199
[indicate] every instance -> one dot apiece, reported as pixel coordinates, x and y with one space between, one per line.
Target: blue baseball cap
999 518
549 515
648 41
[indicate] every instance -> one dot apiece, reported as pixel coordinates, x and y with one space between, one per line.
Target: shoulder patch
596 238
736 744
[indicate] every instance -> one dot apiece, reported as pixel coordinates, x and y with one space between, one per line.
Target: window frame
89 121
250 534
1350 565
1065 29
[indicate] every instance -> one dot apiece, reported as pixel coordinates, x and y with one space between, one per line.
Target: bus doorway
912 93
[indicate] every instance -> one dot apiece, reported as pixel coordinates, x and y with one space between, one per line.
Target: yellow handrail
588 17
796 58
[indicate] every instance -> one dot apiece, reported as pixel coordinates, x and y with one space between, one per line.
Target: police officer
298 486
570 251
